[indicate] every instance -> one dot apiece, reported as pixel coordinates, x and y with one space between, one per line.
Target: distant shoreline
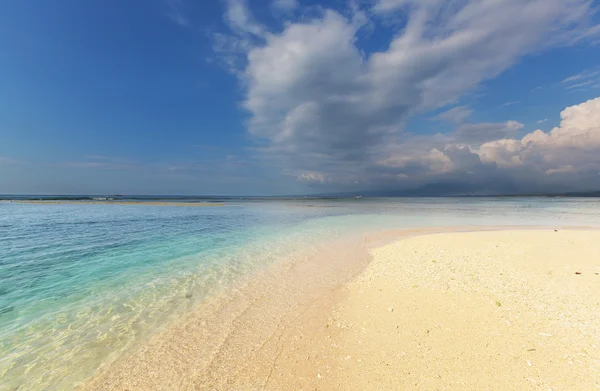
312 197
115 202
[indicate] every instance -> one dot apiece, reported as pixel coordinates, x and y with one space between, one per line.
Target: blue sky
285 97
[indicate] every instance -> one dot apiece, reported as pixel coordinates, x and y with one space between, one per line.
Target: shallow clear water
79 284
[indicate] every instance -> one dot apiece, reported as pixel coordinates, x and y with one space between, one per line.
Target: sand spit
501 310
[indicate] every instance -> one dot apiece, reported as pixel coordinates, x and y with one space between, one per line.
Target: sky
261 97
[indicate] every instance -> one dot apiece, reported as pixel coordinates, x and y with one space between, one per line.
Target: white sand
501 310
464 311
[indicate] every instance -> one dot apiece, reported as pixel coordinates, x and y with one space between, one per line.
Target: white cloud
581 81
504 153
542 121
561 170
317 100
285 5
435 161
580 76
457 114
311 89
6 160
514 102
313 177
240 19
572 146
582 84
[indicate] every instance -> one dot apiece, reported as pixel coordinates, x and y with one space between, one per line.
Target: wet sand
502 310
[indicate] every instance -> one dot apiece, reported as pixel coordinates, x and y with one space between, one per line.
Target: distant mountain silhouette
459 189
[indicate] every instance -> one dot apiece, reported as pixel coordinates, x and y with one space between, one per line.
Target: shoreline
75 202
294 318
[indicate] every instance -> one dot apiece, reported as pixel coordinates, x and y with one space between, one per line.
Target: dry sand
503 310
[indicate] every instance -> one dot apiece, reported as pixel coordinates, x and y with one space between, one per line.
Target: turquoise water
80 284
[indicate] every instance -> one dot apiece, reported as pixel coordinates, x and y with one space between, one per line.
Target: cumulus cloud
318 103
573 146
431 156
434 161
568 154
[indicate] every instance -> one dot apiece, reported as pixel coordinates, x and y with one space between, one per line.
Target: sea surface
82 284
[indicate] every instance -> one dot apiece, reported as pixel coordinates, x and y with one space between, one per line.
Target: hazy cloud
583 80
481 132
456 114
176 13
7 160
103 163
284 5
580 76
241 20
315 177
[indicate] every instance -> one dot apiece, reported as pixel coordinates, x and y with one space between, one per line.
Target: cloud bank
572 147
331 113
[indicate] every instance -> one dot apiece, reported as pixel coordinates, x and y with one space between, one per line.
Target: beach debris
545 334
498 303
318 376
391 309
555 230
577 273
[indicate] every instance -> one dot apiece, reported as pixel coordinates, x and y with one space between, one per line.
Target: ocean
82 284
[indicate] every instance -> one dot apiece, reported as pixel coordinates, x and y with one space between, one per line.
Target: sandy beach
501 310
